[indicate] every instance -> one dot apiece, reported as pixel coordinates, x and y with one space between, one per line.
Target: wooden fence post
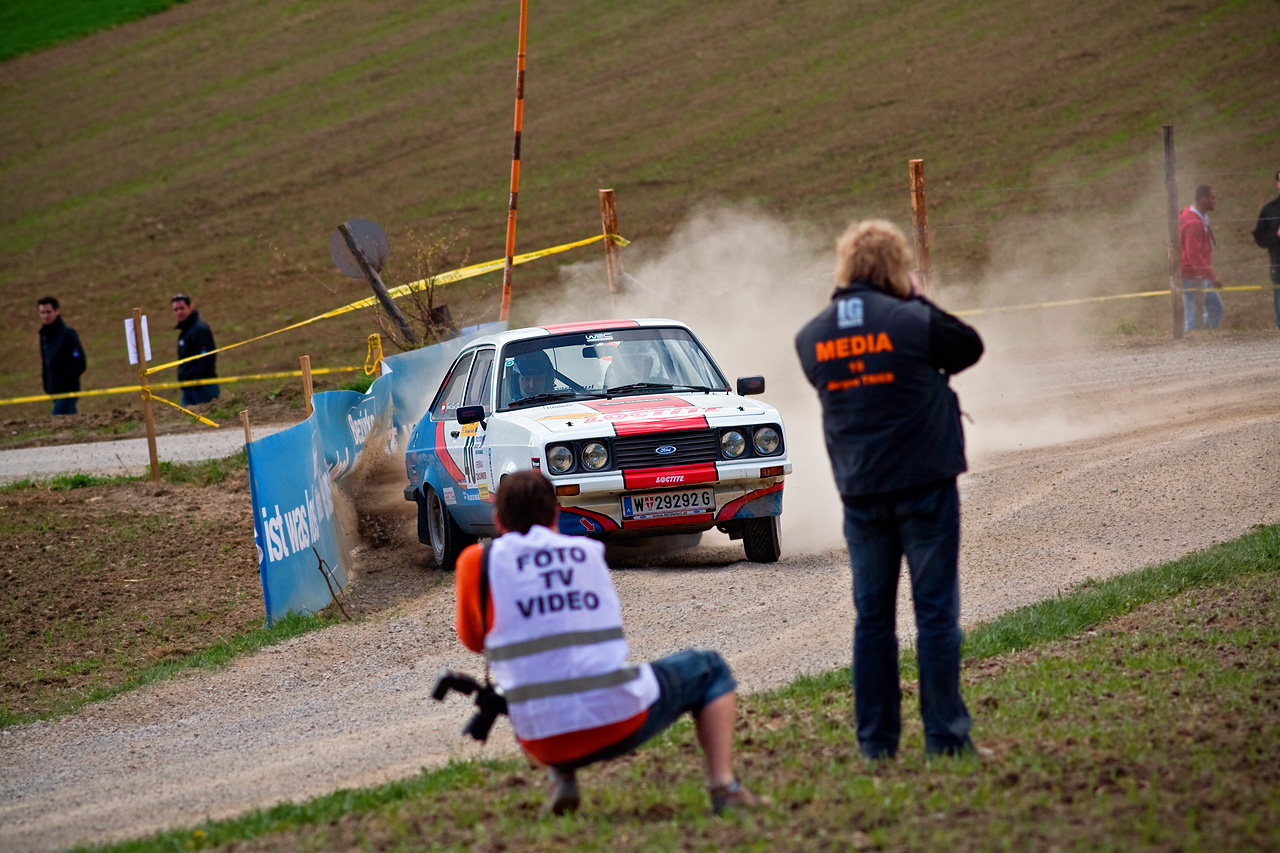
244 419
306 382
148 415
1175 247
920 218
612 251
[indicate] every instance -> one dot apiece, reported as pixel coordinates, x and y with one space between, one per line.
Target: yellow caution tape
402 290
373 360
970 312
134 389
147 395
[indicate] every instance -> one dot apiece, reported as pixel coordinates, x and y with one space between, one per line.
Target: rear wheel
762 538
443 533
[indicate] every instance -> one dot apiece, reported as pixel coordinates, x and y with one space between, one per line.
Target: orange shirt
471 630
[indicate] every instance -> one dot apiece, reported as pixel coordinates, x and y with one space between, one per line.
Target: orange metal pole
515 166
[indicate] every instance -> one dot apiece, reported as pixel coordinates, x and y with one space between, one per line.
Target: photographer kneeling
546 616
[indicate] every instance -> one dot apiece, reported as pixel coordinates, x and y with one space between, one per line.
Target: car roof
503 338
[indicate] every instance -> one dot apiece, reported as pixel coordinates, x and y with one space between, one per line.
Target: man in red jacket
1197 241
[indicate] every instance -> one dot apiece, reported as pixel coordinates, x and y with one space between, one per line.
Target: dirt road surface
129 456
1083 466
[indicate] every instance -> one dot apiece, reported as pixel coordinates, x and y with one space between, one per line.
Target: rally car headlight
560 458
766 440
732 444
594 455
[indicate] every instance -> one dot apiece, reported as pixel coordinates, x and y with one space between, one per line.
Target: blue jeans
1275 297
65 406
687 681
923 525
197 394
1212 304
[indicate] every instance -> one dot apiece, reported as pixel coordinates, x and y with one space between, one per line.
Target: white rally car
630 419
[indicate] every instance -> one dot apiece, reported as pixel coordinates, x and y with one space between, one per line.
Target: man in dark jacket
61 355
194 337
1267 235
880 356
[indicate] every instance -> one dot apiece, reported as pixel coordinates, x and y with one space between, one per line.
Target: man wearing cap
194 338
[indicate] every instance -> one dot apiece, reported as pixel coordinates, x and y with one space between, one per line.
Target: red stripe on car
667 424
588 327
731 508
605 522
667 414
450 467
672 477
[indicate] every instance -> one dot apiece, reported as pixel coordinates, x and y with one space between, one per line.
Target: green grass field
27 26
214 148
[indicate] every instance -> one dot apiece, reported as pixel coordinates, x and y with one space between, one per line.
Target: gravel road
1083 466
128 456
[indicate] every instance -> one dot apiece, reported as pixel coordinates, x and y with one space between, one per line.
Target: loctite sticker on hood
632 415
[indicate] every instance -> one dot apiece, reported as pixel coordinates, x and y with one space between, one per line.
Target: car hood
648 413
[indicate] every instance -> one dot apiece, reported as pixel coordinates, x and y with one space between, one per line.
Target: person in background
881 356
1267 236
542 608
194 337
1197 242
62 356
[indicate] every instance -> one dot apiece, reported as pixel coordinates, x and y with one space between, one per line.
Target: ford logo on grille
664 450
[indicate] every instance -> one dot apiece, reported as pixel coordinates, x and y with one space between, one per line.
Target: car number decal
662 504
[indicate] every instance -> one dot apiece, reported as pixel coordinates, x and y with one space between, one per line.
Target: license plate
664 504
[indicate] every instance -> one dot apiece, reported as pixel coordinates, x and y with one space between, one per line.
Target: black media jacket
881 365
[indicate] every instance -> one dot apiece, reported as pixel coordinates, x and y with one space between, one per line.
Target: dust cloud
746 281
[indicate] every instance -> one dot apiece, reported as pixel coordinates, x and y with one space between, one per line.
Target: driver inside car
534 375
632 363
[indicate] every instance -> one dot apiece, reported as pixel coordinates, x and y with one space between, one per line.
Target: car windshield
602 364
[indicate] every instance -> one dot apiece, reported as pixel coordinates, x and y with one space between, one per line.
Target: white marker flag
133 347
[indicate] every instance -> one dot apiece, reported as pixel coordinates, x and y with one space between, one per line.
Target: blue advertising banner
290 472
349 420
293 521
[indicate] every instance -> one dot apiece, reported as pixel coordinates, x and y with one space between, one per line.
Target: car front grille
691 447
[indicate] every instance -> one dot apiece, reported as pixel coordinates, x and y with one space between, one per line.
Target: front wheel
763 539
445 536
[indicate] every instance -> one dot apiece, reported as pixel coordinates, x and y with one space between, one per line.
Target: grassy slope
212 148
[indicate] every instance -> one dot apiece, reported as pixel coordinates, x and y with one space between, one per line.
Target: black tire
762 538
443 533
424 531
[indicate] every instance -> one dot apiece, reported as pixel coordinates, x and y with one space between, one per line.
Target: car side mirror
748 385
470 415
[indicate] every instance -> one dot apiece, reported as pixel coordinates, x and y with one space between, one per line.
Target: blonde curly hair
875 250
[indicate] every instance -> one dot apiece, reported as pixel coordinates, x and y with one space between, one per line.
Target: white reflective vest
556 645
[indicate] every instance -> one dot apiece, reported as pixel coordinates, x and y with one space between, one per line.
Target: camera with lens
490 703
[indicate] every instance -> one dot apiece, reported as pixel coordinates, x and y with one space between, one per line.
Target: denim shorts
687 681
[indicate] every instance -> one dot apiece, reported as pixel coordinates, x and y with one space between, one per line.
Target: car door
464 446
